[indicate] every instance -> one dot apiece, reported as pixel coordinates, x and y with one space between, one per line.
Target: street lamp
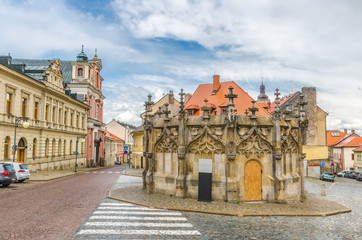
76 150
16 124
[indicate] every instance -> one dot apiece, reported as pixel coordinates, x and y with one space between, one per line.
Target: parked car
21 171
355 174
341 174
349 172
359 177
7 174
328 176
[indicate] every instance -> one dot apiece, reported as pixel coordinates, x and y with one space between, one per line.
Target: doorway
21 150
252 181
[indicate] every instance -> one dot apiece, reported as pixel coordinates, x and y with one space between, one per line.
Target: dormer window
80 72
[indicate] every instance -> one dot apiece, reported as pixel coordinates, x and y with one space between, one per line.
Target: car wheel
21 180
6 185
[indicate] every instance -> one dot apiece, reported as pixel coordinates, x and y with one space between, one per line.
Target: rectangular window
23 107
59 115
36 106
77 123
65 117
352 156
9 99
71 119
53 114
83 122
46 112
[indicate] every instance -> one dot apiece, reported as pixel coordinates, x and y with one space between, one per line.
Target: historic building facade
57 119
82 80
252 157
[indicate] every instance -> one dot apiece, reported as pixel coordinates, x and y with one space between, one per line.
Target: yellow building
56 119
357 159
137 152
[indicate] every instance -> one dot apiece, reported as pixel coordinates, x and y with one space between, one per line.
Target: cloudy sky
153 46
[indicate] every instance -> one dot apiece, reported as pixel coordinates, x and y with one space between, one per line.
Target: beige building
57 120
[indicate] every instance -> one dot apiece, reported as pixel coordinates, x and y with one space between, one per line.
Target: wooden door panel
252 176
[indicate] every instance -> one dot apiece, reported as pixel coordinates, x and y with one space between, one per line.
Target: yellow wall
137 152
315 152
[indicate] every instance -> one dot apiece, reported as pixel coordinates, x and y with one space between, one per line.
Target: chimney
113 120
171 97
216 83
352 130
345 130
187 97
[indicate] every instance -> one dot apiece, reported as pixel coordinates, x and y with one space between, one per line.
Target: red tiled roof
331 140
355 142
359 149
345 140
242 102
111 136
282 100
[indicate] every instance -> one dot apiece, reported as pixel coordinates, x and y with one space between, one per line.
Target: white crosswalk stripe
124 219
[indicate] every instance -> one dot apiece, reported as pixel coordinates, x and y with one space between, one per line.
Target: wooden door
21 155
252 181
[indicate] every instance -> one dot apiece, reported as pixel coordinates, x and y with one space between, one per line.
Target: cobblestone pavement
121 226
53 209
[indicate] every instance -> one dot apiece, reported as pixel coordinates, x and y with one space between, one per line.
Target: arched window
53 147
59 146
6 148
70 147
34 147
80 72
64 153
46 146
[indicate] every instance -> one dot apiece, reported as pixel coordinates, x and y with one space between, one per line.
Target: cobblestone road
52 209
344 226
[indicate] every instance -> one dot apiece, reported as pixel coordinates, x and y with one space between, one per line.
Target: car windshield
328 173
23 166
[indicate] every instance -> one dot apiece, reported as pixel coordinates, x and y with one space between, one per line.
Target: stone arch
21 153
254 145
206 144
253 180
165 143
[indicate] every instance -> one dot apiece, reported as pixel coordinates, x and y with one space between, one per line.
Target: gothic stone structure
253 157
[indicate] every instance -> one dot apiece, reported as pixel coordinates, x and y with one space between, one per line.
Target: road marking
87 172
138 213
95 172
140 232
116 204
332 185
344 196
118 172
110 172
128 208
139 218
139 224
313 183
102 172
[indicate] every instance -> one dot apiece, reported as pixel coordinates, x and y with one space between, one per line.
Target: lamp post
76 150
16 124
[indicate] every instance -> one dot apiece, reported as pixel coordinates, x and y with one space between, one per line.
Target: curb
71 174
237 214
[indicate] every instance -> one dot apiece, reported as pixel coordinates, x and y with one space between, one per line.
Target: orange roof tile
359 149
331 140
111 136
355 142
242 102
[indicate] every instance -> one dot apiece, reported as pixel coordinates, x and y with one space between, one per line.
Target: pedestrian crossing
104 172
128 221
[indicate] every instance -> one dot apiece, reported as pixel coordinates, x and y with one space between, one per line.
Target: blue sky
152 46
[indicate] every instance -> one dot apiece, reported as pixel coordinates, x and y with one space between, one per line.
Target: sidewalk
314 206
50 175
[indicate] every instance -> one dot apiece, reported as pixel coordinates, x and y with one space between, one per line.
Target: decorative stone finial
166 111
246 112
182 111
253 109
206 109
159 112
276 112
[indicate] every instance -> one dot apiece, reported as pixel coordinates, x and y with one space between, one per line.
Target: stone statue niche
254 158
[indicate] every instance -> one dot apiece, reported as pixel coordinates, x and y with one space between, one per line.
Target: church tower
262 98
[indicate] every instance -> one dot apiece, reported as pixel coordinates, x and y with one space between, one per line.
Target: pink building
86 81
